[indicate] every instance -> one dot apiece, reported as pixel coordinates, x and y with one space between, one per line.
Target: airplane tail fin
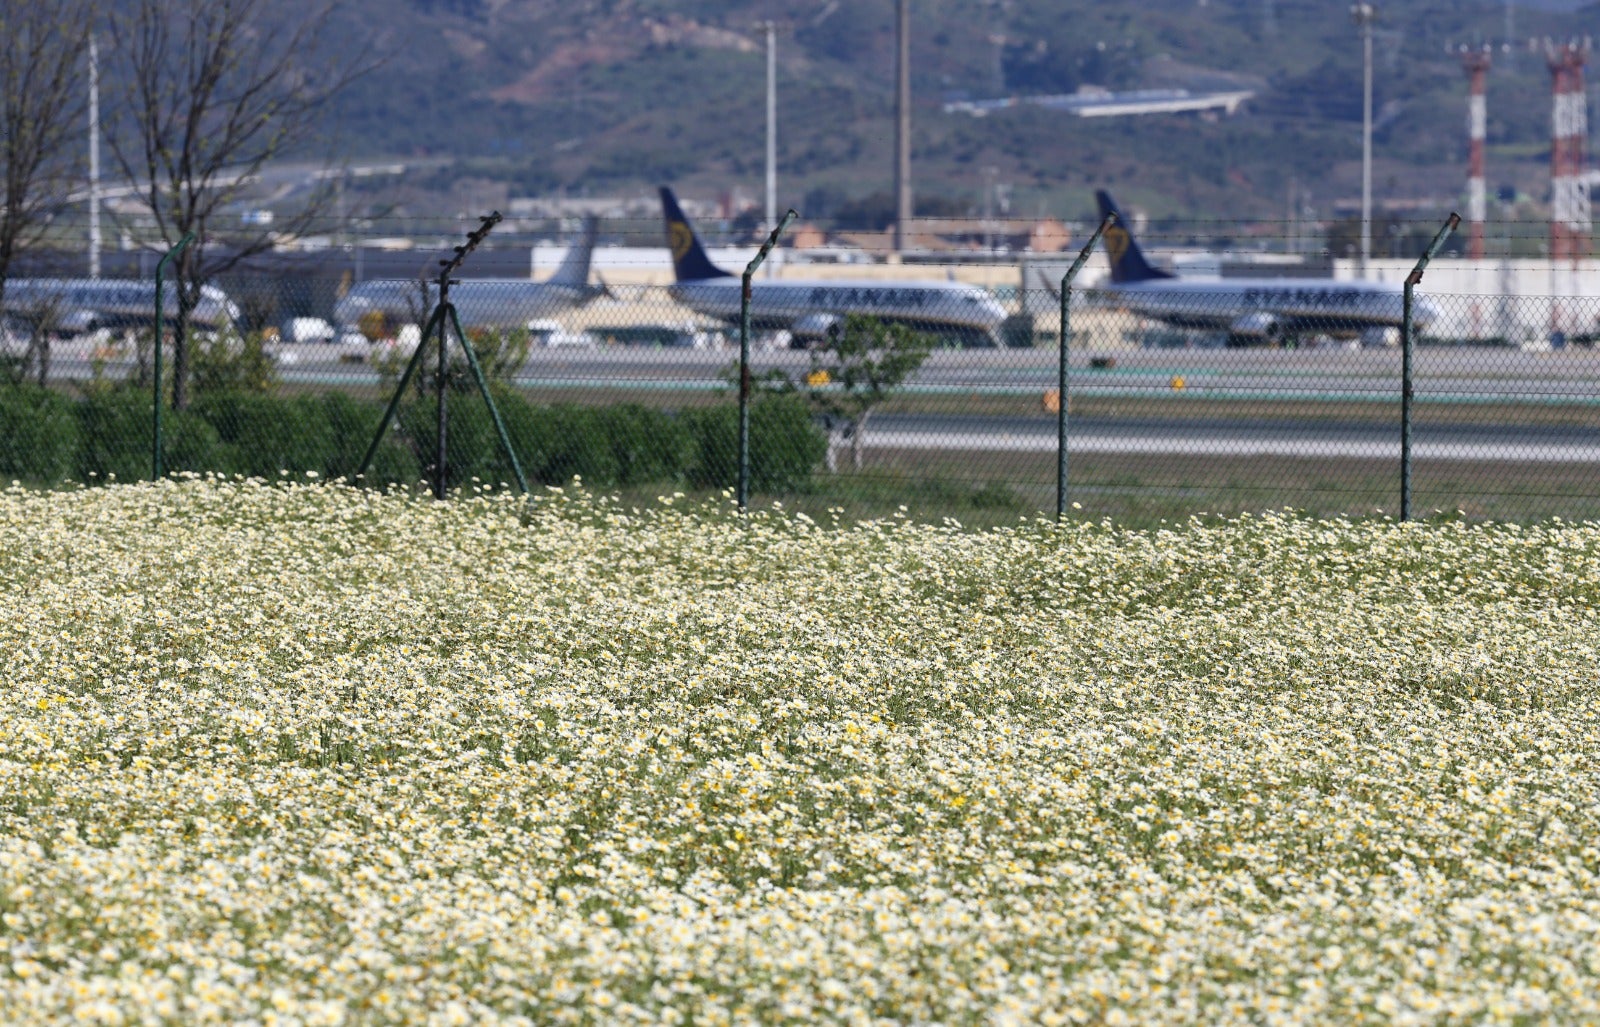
574 268
689 260
1127 260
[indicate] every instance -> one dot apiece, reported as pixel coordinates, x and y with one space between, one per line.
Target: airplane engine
1258 328
79 322
814 330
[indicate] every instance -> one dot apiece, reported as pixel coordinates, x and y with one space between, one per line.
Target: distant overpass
1102 103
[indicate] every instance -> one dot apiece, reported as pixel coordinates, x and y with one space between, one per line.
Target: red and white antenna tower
1476 65
1569 131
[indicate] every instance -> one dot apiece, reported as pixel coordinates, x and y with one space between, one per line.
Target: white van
308 329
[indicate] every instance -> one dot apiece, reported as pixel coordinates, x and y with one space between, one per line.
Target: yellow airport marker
1051 401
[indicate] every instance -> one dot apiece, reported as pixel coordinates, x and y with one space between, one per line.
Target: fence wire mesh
928 387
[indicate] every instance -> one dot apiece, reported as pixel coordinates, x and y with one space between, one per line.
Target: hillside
603 96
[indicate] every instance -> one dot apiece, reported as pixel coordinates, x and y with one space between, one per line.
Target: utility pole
94 158
1364 14
990 178
771 29
902 124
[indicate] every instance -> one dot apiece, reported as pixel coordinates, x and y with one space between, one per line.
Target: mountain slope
616 95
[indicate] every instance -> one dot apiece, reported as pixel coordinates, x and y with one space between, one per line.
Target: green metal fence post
441 421
1408 345
743 493
156 468
1061 383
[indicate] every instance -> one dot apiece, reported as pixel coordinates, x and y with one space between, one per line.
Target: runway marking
998 442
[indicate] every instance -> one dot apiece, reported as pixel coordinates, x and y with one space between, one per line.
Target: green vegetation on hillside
616 96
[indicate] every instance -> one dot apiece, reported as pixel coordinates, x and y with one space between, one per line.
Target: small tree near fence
864 361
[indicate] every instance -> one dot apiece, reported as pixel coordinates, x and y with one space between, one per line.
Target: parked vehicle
307 329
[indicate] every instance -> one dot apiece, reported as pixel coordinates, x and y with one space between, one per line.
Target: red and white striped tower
1569 129
1476 64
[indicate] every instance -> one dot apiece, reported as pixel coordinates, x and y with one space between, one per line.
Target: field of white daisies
306 754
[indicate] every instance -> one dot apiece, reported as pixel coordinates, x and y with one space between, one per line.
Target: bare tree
42 99
215 90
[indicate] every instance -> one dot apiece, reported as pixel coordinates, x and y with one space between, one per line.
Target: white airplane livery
965 314
80 305
479 302
1254 311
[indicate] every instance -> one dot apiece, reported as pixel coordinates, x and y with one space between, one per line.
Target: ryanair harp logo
1116 239
679 239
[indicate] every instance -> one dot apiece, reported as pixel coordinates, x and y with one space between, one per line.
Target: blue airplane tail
689 260
1127 261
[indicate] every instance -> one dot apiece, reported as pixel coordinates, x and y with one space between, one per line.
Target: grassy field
985 489
304 754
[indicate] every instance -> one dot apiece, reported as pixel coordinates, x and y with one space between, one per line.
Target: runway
1236 438
1202 381
1335 374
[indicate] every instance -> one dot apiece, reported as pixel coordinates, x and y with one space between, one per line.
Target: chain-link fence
932 387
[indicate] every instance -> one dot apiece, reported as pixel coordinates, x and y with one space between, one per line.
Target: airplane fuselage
944 307
1271 306
85 304
480 303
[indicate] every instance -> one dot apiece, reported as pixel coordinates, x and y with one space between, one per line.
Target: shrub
267 434
555 443
38 434
48 437
606 447
115 431
472 449
224 362
351 423
646 445
785 446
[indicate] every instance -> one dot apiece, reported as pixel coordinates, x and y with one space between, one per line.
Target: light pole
94 157
771 29
1364 14
902 125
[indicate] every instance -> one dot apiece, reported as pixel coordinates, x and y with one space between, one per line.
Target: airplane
78 306
479 302
1254 311
808 310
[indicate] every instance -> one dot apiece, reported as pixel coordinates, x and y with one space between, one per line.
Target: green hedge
607 447
38 434
115 432
46 436
785 446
